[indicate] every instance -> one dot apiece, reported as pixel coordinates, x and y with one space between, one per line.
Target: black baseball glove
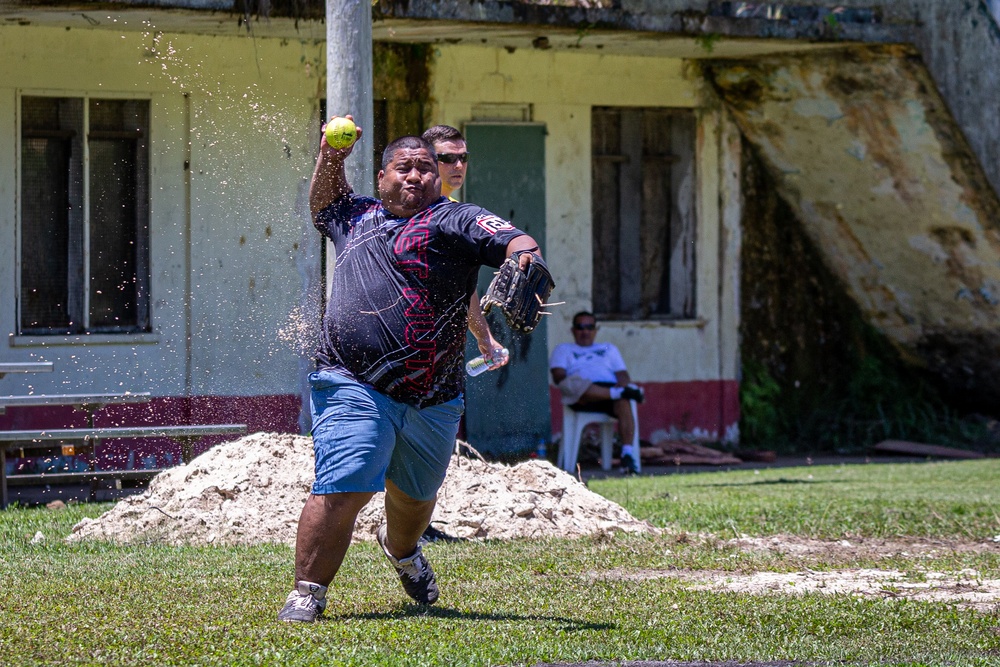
521 295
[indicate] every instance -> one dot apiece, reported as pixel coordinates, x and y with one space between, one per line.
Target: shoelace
302 602
413 566
306 602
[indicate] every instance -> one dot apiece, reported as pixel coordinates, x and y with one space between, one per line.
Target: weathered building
616 132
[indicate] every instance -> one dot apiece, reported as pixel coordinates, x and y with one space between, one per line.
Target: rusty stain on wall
864 151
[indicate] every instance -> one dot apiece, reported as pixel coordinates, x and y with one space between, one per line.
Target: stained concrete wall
862 148
230 238
561 88
958 39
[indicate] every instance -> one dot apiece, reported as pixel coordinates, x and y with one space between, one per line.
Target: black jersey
399 306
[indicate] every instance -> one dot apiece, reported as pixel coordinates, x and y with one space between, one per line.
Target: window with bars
84 216
644 223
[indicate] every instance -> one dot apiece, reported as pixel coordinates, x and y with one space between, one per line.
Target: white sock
626 450
309 588
616 392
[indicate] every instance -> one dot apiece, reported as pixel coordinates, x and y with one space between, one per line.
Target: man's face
453 174
584 331
410 182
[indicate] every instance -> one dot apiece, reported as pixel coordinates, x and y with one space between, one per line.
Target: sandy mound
251 491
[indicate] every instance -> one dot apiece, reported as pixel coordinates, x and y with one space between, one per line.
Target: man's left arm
480 328
617 365
520 244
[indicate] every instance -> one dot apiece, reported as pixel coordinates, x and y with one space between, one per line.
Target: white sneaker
305 603
414 572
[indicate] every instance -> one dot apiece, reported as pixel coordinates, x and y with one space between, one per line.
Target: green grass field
608 598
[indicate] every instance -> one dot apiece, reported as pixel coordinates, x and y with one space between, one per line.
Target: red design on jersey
420 337
411 254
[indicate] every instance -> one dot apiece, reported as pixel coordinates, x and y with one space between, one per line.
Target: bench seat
83 477
85 401
185 435
109 432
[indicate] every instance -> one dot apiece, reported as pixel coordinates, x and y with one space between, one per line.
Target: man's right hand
326 149
329 180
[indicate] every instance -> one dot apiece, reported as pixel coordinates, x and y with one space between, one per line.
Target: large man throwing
387 392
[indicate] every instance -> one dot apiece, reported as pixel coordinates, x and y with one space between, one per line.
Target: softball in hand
341 132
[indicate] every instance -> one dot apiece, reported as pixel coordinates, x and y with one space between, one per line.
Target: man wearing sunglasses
453 161
594 378
453 157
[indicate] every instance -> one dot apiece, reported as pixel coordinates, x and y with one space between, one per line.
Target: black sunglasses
452 158
584 327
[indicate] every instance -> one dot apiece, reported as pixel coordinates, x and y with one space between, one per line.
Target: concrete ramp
864 150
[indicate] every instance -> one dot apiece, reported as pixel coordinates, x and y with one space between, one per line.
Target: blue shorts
362 437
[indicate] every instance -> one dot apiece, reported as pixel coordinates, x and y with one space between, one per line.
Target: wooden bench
186 436
25 367
90 403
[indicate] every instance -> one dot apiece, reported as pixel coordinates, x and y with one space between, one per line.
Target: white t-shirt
598 362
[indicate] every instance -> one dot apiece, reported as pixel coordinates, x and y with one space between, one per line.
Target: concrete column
349 80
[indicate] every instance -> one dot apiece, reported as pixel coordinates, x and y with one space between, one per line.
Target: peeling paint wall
958 40
864 151
401 80
248 110
561 89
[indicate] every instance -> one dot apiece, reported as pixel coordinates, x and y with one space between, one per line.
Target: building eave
496 24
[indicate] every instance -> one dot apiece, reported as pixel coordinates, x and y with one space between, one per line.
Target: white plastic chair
573 425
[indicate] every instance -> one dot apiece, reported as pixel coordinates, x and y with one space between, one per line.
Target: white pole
349 81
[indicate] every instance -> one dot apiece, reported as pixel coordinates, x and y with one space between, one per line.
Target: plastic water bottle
541 452
486 362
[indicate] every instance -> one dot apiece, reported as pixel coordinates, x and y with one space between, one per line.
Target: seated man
592 378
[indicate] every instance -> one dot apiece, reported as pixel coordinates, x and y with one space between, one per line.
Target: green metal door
507 410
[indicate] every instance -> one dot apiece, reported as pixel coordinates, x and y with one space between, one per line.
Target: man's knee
339 503
403 500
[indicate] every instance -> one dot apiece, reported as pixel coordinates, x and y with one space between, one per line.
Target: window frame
677 260
142 332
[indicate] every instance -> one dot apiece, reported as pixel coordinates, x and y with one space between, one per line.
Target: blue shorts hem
331 489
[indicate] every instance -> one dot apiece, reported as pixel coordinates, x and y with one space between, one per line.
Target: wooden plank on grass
922 449
681 459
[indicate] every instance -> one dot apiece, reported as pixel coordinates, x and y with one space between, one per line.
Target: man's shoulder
562 351
467 213
350 204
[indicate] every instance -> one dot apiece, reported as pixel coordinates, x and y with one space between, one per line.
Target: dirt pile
251 491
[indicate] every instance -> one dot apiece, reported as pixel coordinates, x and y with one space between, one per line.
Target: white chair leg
607 443
570 446
636 450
